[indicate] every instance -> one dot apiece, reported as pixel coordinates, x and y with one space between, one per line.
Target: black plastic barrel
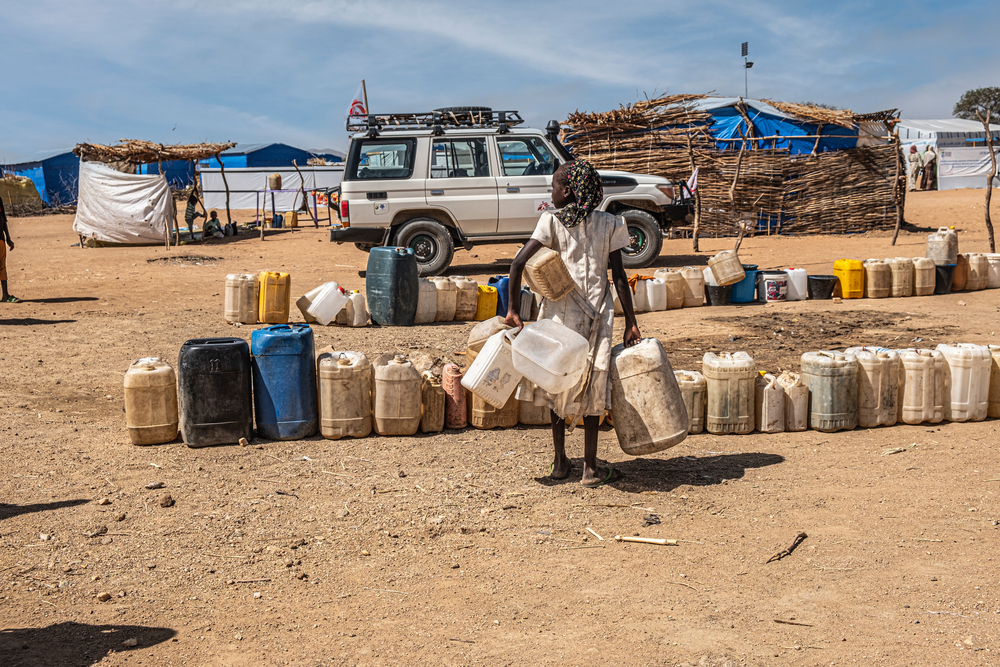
718 295
391 286
214 391
821 287
944 274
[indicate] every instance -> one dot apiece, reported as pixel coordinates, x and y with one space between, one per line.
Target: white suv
466 176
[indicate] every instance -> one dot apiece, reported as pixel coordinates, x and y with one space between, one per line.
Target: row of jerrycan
891 277
973 271
666 289
252 298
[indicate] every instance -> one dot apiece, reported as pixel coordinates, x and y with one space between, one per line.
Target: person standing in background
914 162
5 241
929 180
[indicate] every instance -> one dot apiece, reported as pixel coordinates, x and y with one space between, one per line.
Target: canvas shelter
54 174
260 155
127 209
963 159
246 186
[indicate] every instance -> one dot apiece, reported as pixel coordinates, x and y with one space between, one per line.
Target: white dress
585 250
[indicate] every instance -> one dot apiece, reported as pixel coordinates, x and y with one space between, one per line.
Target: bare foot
559 469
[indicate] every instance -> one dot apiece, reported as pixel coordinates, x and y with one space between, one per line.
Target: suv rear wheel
430 242
647 239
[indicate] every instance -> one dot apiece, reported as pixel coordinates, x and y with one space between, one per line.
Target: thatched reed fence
843 191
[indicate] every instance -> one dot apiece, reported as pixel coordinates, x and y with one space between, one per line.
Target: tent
263 155
128 209
963 159
246 186
54 174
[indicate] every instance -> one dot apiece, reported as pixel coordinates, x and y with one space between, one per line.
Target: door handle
509 189
437 192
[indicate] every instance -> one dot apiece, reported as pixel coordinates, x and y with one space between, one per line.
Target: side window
376 159
459 158
528 156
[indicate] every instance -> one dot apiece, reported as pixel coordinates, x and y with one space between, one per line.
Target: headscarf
585 184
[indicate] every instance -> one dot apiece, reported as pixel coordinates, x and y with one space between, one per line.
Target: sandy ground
453 549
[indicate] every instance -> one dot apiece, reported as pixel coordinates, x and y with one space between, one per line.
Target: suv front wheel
647 239
430 242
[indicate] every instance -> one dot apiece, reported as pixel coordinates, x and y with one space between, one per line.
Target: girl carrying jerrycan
588 242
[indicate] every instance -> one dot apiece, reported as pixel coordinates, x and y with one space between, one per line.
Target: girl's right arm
514 283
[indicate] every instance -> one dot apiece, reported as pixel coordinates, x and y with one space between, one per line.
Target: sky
182 71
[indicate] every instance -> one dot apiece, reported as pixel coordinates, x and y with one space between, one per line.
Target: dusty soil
454 548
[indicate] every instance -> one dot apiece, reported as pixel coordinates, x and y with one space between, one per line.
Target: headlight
667 190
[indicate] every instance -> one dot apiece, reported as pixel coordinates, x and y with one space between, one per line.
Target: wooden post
302 189
989 182
263 209
225 183
697 193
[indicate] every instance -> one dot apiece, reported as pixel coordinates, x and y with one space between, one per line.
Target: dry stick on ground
791 547
804 625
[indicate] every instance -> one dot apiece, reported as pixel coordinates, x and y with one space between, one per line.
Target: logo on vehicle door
381 208
542 205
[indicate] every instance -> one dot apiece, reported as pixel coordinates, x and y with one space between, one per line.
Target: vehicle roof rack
442 118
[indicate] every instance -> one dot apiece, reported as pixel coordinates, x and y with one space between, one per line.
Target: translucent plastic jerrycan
693 388
345 394
832 378
993 409
675 287
355 311
726 268
902 276
694 286
878 279
993 264
432 404
447 299
530 414
304 301
640 297
546 273
327 303
942 246
481 333
466 298
979 272
649 411
878 385
924 276
426 302
656 294
550 355
769 404
969 369
730 392
241 301
798 284
492 376
796 401
923 386
397 397
151 402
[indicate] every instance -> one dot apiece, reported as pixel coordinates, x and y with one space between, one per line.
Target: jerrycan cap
399 359
343 360
147 363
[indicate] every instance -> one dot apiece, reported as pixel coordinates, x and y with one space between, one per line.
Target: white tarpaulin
965 162
123 208
246 187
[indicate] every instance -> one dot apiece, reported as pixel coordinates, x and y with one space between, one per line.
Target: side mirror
552 130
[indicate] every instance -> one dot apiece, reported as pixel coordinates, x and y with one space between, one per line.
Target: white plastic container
648 409
693 388
969 369
397 397
242 297
923 386
546 273
942 246
694 286
447 299
492 376
993 264
769 404
640 297
709 276
467 298
355 311
902 272
726 268
993 409
426 302
151 414
878 279
798 284
878 386
345 394
675 287
979 272
304 301
796 401
656 294
832 378
924 276
550 355
327 303
729 404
